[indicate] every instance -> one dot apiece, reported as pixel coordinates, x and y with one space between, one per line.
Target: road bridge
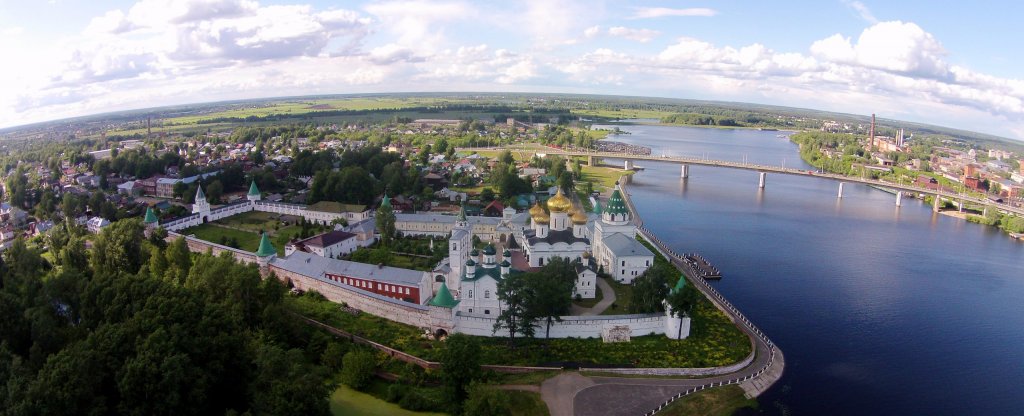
593 157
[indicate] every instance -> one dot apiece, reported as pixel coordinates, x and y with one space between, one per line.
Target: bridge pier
937 203
684 172
627 165
840 190
899 198
961 207
762 176
591 160
984 211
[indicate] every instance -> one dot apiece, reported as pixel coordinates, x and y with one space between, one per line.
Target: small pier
701 266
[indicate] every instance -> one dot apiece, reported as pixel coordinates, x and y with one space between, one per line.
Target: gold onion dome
559 203
579 217
538 213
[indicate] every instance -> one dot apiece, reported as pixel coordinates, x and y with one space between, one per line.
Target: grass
602 177
248 241
345 401
525 403
621 114
535 378
709 344
623 298
721 401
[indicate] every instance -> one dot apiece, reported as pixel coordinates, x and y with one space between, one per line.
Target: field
622 114
345 401
722 401
245 230
623 298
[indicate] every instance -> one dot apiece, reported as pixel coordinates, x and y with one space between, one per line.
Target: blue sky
955 65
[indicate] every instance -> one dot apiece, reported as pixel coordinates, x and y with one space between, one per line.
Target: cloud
655 12
898 47
639 35
592 31
861 10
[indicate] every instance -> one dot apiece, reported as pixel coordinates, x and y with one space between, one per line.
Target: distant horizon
908 60
113 113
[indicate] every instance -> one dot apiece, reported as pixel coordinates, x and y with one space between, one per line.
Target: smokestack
872 132
149 130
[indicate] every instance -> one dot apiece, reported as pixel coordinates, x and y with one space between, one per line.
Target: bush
484 401
334 356
396 392
414 400
357 369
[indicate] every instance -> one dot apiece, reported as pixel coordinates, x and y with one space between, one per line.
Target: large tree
513 292
550 292
460 365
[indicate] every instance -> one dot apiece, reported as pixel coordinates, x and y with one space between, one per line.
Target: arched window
487 294
439 278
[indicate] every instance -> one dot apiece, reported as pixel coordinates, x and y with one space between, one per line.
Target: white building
562 233
616 249
478 294
96 224
330 244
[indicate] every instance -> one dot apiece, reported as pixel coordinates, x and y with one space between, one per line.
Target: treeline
361 175
138 327
436 109
692 119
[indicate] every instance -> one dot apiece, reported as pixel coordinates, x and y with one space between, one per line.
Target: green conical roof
680 284
200 196
386 202
616 205
443 298
150 216
597 206
253 190
462 213
266 249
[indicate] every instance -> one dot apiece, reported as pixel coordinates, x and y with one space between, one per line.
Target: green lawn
623 298
345 401
526 403
602 177
248 241
721 401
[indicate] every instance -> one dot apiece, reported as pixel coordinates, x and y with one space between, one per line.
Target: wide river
878 309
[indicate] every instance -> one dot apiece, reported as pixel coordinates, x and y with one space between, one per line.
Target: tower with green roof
677 326
443 298
616 212
265 253
150 220
254 193
201 206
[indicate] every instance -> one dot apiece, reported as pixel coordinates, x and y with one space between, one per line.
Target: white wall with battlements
571 326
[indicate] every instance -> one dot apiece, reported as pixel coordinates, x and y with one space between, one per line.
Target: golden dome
579 217
559 203
538 213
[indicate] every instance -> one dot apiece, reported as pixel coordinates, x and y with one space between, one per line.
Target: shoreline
753 384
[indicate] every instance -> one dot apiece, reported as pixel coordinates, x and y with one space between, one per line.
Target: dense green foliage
134 328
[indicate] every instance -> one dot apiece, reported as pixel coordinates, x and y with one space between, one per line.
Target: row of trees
535 297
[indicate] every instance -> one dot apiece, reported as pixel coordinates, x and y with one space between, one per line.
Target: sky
954 64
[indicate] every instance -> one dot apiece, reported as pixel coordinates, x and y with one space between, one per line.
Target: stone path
608 298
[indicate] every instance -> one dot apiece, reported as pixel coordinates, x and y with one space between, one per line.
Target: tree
487 401
550 292
487 195
385 220
460 365
681 302
214 191
514 317
649 290
357 369
566 183
118 248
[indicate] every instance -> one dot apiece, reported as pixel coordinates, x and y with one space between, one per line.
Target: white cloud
639 35
655 12
892 46
861 10
592 31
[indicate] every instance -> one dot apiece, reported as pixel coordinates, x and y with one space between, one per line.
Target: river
879 310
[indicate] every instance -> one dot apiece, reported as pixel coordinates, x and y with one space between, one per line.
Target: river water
879 310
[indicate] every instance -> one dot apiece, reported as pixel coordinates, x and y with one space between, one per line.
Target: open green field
622 114
721 401
602 177
248 241
245 228
345 402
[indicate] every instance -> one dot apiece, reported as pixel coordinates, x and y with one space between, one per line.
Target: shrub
396 392
357 369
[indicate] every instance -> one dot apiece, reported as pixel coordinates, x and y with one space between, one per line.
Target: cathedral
603 241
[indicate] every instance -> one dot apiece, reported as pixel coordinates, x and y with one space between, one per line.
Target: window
487 311
623 263
470 294
623 271
470 310
406 291
487 294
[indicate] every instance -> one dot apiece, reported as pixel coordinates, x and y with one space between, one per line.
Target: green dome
489 250
505 263
266 249
150 216
443 298
616 205
474 253
470 262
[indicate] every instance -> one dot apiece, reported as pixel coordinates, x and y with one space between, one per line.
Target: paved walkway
607 299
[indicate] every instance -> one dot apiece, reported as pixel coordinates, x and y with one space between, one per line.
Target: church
604 240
